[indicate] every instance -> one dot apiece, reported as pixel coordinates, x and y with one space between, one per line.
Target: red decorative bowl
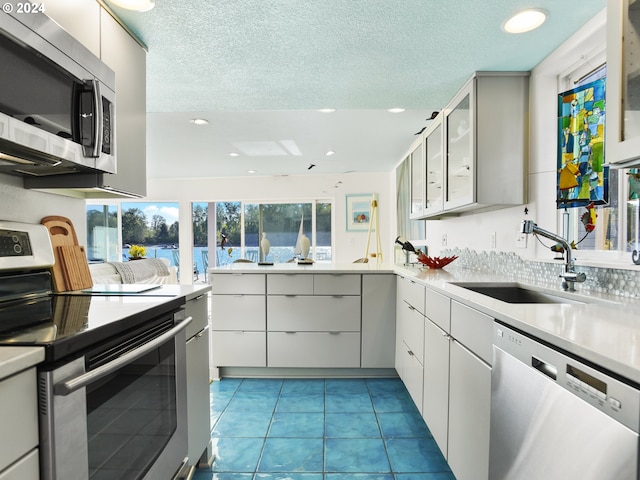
435 262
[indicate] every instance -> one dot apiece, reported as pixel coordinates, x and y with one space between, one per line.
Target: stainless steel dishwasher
556 418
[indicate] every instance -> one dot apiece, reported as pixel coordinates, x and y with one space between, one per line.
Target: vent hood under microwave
57 102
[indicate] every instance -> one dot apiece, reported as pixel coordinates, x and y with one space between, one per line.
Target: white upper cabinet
486 142
434 167
476 149
416 162
622 135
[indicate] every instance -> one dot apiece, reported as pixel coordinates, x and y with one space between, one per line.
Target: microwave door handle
96 141
76 383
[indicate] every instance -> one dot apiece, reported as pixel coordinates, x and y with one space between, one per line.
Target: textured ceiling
290 57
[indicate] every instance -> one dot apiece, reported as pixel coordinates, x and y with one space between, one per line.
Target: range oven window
131 414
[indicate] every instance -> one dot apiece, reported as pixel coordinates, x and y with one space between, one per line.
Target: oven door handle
76 383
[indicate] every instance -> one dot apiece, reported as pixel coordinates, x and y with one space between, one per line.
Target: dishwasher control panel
610 395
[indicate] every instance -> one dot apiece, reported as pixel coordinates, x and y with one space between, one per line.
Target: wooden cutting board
75 268
71 268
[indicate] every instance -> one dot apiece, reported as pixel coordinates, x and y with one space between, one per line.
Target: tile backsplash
608 281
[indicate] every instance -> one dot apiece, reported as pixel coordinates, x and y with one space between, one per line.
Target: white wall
20 205
349 245
474 231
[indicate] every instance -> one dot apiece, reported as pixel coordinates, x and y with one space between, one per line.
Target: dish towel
140 270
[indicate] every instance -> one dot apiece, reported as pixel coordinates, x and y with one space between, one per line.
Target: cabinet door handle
410 307
198 297
410 353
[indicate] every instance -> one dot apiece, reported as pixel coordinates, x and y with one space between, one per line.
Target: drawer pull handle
410 353
411 307
334 333
338 296
289 333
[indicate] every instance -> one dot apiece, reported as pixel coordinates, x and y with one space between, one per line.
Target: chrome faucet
569 275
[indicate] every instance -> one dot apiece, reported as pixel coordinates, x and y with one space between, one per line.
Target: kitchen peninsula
576 327
426 326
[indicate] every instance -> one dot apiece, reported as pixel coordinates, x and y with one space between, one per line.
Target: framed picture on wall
359 212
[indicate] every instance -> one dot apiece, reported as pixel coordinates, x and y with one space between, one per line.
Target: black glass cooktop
66 324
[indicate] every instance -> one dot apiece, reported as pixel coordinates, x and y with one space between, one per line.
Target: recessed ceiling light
525 21
137 5
396 110
329 153
251 171
199 121
327 110
234 154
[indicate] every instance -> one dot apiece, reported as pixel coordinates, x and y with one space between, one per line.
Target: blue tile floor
319 429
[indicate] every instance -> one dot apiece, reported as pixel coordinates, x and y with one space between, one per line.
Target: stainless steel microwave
57 101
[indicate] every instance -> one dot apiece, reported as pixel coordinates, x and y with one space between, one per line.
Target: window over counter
611 229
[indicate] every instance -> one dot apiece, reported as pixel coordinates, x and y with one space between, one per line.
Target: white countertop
371 267
16 359
605 330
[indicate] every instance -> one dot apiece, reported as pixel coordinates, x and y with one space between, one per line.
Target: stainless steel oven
112 388
118 410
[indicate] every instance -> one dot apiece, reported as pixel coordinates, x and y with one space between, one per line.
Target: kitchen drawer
336 284
238 312
28 467
239 349
313 313
314 349
412 376
18 416
238 283
411 292
290 284
438 309
413 333
473 329
198 309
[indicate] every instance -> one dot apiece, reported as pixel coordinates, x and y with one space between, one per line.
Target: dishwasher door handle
544 367
76 383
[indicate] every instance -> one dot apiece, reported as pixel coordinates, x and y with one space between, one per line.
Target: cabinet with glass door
416 162
434 165
485 142
622 134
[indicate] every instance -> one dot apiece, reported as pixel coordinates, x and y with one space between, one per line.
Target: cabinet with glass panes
622 146
480 162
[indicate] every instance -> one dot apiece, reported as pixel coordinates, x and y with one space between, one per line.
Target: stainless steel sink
515 293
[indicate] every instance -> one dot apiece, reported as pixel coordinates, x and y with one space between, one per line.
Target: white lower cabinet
314 349
239 349
457 384
435 401
469 411
313 313
19 432
410 337
378 321
311 320
313 331
238 320
28 467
